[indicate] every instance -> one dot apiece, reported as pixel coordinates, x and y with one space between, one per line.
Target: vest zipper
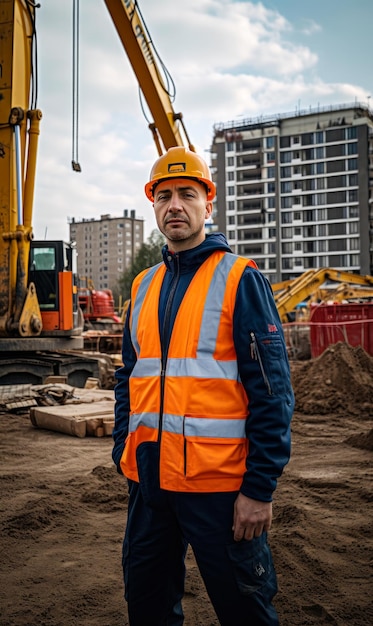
165 339
255 354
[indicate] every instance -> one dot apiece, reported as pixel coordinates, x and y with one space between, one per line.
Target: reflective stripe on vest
204 402
193 427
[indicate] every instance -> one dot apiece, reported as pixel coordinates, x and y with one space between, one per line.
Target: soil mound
364 441
339 381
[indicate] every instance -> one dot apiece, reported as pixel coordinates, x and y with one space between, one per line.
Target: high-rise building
107 246
295 191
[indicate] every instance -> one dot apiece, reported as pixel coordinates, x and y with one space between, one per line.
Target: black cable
75 89
166 81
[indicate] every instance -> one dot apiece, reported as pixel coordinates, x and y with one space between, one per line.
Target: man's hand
251 517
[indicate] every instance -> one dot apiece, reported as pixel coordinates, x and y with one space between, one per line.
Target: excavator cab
52 270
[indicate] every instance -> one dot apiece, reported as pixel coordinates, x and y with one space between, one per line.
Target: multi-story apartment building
107 246
296 191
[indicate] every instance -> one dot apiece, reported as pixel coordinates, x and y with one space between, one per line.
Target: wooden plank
80 420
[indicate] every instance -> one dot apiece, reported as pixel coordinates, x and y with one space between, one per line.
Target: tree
149 254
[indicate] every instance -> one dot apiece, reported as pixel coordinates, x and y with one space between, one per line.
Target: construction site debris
95 420
339 381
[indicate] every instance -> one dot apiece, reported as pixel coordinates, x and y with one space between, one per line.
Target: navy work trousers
239 576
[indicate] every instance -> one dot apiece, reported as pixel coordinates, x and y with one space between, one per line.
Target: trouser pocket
253 567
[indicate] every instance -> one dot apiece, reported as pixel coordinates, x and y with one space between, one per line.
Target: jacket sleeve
265 373
122 396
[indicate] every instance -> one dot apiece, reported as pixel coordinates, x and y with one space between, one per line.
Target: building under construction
295 191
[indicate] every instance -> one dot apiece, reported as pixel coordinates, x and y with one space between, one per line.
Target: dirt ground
63 513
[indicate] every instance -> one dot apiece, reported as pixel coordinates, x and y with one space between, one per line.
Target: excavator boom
140 51
290 293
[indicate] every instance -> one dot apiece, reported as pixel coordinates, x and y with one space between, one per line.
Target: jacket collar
189 260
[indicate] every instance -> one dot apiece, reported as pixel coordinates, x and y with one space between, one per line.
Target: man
202 416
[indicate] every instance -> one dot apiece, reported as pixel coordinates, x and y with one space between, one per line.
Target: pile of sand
339 381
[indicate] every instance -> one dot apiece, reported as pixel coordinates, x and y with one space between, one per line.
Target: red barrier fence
351 323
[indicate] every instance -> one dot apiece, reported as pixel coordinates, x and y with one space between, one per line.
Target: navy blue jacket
262 362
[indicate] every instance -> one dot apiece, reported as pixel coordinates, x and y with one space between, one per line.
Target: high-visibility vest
197 408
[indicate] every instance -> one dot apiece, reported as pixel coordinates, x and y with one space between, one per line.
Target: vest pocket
215 458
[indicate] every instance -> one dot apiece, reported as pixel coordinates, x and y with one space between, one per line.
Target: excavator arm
19 132
133 34
291 293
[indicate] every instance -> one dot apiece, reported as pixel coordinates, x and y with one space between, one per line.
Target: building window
339 260
352 148
286 172
322 245
352 195
355 243
352 164
287 233
353 180
351 132
286 157
286 202
337 229
353 211
322 230
287 264
287 248
270 142
286 187
230 161
309 216
353 228
336 245
230 191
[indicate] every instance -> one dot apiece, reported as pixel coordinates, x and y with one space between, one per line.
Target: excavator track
36 367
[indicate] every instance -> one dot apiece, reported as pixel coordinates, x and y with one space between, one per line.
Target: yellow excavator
40 321
315 286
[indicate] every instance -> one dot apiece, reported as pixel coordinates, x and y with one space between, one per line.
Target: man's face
181 208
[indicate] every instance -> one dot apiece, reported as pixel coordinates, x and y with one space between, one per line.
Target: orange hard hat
180 162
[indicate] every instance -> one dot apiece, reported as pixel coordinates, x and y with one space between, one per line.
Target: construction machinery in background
41 322
306 302
318 285
97 306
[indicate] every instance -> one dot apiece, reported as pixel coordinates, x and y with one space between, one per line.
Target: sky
230 61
